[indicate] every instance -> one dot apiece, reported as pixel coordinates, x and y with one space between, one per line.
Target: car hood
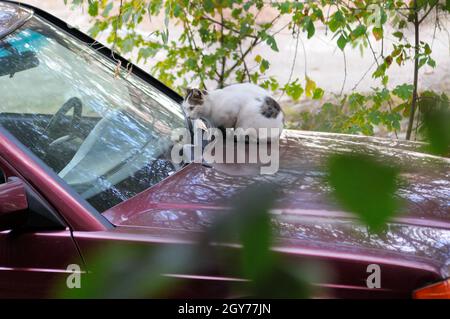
306 214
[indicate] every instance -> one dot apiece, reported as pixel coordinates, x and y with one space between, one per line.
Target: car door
34 260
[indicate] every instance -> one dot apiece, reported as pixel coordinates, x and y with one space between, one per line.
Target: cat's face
194 102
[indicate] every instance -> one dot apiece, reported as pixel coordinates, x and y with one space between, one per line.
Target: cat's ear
187 91
197 93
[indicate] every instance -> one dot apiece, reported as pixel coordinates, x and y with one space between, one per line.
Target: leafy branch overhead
228 41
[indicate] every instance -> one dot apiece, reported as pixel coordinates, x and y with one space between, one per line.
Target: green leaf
294 90
364 187
342 42
309 27
145 53
397 51
377 33
93 8
399 59
107 9
374 117
236 13
154 7
208 5
403 91
191 63
127 44
97 28
401 107
254 77
264 65
336 21
285 7
247 5
383 17
318 94
359 31
380 71
272 43
398 35
177 10
431 63
422 62
356 100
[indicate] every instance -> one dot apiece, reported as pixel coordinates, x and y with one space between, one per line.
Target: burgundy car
84 163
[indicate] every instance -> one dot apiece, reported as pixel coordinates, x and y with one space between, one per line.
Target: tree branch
345 73
291 73
223 25
245 64
254 43
427 13
222 71
363 76
416 73
194 47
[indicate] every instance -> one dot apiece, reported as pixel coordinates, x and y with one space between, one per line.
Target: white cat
245 106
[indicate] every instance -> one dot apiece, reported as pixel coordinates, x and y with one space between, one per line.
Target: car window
107 136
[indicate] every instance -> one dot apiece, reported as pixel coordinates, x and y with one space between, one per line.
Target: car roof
12 16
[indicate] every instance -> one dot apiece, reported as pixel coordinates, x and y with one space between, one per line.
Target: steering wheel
53 129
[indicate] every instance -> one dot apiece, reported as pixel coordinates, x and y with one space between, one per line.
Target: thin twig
305 60
245 63
345 73
223 25
294 61
254 43
427 13
436 23
362 78
371 48
222 71
416 73
328 18
115 31
281 29
193 45
365 34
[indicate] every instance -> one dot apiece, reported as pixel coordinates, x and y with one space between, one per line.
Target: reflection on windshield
107 136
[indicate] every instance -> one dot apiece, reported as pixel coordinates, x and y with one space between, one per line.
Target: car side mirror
13 204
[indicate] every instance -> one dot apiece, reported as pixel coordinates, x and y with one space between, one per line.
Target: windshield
106 135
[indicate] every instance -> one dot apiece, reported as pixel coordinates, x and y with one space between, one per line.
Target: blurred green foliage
365 187
129 271
435 122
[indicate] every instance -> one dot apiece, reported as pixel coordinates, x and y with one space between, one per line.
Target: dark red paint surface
12 197
412 252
